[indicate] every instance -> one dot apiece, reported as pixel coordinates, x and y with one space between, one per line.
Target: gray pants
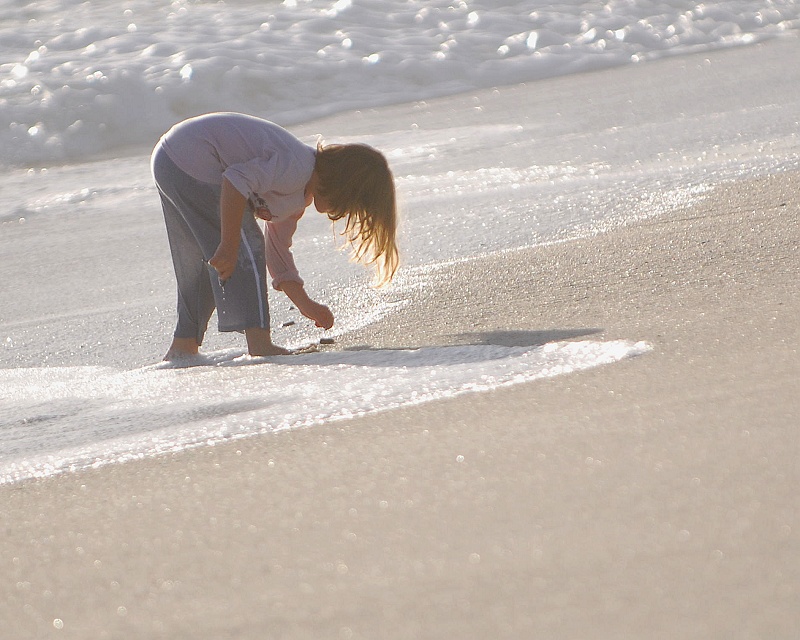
191 213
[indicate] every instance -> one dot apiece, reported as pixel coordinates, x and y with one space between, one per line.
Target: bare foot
272 350
181 348
259 343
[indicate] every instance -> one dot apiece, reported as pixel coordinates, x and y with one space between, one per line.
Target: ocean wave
81 79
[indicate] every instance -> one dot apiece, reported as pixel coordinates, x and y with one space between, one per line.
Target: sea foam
69 418
81 78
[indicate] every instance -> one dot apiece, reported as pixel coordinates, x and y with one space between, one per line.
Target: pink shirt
263 161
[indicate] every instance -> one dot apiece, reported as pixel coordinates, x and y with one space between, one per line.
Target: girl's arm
285 277
278 245
319 313
232 206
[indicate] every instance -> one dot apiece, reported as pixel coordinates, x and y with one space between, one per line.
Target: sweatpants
192 217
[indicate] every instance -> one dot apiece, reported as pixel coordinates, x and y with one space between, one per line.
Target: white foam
68 418
539 174
79 79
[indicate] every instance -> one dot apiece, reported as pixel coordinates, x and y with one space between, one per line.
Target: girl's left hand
224 261
263 213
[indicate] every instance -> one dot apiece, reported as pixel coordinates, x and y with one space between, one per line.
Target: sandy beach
652 498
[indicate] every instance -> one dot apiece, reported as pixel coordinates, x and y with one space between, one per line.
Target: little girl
216 174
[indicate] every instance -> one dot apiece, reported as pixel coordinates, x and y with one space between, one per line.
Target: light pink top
264 162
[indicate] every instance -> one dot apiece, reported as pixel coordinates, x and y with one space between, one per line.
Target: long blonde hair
356 181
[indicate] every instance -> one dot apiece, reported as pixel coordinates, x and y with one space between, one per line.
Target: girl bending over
216 174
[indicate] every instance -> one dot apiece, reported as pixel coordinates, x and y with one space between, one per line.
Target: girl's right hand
315 311
319 313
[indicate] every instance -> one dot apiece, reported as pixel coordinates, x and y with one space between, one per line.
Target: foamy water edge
100 416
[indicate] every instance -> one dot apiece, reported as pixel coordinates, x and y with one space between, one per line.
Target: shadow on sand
466 348
523 338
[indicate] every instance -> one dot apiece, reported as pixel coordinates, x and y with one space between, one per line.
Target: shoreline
650 498
654 497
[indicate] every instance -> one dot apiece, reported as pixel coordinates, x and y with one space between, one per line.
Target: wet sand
652 498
